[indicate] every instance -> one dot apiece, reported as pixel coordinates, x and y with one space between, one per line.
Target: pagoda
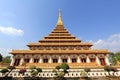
60 47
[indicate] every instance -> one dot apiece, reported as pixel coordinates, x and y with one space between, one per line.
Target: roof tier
60 44
58 51
60 37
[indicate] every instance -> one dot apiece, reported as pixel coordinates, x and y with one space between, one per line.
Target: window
36 60
92 59
83 60
27 60
74 60
64 60
45 60
55 60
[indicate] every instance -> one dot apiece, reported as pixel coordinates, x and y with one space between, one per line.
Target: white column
41 60
97 60
59 60
69 59
78 59
21 61
106 60
88 60
50 59
12 62
31 60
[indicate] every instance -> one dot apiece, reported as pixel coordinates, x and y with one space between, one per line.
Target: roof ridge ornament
59 22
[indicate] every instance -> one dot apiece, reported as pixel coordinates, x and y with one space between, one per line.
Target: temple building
60 47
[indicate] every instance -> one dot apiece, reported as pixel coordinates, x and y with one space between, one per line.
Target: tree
60 71
6 59
113 58
64 66
1 57
117 55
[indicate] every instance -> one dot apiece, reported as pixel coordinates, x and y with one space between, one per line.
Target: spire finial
60 13
59 22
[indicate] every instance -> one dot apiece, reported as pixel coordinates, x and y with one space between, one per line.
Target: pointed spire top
60 13
59 22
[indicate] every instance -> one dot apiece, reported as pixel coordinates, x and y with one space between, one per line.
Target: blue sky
24 21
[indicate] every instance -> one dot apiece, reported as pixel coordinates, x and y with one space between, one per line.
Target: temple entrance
102 61
17 61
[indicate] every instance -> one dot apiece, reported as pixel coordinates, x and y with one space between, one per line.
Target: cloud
112 43
11 31
5 51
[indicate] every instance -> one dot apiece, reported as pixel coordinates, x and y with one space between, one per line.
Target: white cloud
11 31
112 43
5 51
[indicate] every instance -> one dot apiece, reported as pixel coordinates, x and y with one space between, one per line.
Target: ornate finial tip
59 12
59 18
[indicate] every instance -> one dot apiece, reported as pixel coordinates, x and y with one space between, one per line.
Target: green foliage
87 70
61 74
57 67
60 71
32 67
39 69
83 74
6 59
1 57
109 68
117 55
11 67
114 57
4 70
34 72
64 66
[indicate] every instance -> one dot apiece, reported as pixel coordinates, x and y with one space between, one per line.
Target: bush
107 68
61 74
57 67
34 73
32 67
22 71
64 66
39 69
11 67
87 70
4 70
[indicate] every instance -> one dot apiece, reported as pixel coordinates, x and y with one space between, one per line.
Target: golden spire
59 22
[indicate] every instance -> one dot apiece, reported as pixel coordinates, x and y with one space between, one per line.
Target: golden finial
59 22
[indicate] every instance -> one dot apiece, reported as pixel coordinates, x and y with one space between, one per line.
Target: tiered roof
60 41
59 37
